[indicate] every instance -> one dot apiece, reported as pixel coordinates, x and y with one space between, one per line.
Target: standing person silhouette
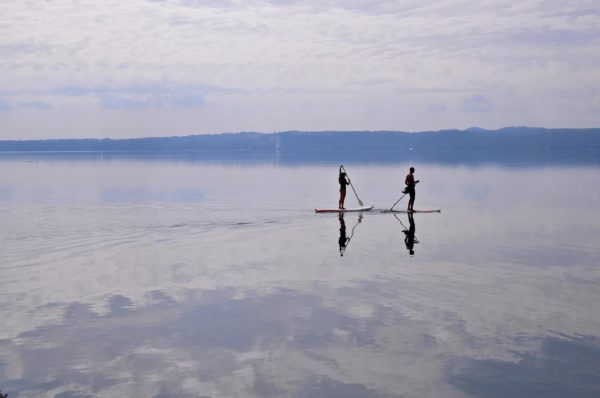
410 188
344 181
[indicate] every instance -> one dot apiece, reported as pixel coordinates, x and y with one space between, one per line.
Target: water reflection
344 240
289 343
226 285
221 344
409 239
564 366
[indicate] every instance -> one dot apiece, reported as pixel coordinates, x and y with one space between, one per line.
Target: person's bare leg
342 199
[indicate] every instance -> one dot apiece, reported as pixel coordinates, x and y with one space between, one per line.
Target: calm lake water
166 278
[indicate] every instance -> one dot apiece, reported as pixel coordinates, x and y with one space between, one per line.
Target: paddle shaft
360 203
398 218
353 228
392 208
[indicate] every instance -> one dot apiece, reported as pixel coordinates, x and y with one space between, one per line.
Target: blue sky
137 68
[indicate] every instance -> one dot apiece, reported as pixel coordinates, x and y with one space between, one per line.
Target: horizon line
469 129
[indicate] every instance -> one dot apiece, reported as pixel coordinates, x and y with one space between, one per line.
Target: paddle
392 208
360 203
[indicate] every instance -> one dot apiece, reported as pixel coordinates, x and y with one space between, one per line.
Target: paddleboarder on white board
410 188
344 181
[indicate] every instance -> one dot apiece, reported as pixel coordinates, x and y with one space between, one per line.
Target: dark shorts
411 193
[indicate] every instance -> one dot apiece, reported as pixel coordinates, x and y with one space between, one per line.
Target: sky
136 68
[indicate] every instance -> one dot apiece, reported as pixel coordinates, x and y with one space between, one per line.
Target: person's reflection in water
343 240
410 239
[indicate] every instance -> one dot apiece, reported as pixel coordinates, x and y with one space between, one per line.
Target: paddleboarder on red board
410 188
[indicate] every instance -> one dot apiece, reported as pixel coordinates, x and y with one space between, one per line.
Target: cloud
153 100
188 100
437 108
477 104
116 102
41 105
313 51
5 106
125 97
152 97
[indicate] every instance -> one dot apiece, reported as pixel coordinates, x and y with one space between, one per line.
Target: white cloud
300 56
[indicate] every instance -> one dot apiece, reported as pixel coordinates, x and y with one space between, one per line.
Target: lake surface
163 278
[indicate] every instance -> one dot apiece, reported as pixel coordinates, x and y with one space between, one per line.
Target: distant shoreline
515 145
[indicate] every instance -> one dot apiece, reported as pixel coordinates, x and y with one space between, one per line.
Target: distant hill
514 145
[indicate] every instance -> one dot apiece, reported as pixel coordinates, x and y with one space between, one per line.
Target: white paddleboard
413 211
346 210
